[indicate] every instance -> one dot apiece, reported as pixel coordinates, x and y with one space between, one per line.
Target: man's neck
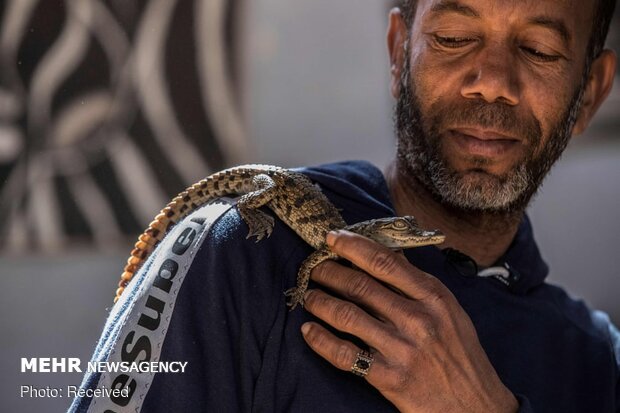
485 237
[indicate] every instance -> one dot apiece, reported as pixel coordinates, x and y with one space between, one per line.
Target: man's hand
427 356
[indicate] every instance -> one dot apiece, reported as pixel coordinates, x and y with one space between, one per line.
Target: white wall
316 80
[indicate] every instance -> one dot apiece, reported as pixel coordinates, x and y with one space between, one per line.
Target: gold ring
363 361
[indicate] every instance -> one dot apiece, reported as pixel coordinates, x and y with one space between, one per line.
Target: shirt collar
524 258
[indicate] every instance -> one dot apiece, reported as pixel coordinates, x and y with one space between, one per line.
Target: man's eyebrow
454 6
556 25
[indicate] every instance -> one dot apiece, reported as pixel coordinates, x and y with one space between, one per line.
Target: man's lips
485 134
483 142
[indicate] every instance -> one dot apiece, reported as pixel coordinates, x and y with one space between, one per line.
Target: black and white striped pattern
108 108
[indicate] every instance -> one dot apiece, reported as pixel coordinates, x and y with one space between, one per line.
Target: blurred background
109 108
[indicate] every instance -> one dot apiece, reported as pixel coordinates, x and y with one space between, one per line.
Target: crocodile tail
232 181
223 183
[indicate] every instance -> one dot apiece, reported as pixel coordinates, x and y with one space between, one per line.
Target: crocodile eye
399 224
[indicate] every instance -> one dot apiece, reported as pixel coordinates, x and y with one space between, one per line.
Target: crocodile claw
260 224
296 296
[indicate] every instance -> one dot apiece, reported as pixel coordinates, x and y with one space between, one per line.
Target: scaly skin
294 199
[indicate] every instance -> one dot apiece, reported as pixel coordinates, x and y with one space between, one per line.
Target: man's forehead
553 4
576 13
571 18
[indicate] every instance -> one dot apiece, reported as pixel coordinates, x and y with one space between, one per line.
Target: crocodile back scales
297 202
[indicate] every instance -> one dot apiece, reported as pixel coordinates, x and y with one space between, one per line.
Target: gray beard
420 156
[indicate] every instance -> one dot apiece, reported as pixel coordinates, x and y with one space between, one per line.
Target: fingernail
305 328
331 237
307 294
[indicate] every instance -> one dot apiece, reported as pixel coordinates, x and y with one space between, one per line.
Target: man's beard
420 154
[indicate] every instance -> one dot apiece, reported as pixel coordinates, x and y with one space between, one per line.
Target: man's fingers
340 353
347 317
383 264
360 288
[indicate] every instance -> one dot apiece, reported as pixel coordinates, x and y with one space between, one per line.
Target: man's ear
598 87
397 35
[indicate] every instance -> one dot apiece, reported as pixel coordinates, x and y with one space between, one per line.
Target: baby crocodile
295 200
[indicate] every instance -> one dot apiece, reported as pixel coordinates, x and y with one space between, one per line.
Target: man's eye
453 42
538 55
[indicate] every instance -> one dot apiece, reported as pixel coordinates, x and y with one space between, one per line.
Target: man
489 93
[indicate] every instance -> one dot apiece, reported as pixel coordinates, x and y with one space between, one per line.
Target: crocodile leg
260 223
296 294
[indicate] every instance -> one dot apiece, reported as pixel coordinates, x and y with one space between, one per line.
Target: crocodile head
401 232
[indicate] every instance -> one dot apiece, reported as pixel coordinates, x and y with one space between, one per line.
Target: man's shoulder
582 316
357 187
221 257
358 173
227 241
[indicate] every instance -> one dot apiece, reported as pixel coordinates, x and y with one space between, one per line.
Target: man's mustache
497 116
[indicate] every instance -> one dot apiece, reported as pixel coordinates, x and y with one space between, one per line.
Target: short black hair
600 25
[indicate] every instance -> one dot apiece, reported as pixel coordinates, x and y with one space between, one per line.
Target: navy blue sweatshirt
214 299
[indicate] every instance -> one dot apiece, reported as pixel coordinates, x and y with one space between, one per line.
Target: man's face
489 95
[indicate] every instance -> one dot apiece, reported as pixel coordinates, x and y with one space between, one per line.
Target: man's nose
492 77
